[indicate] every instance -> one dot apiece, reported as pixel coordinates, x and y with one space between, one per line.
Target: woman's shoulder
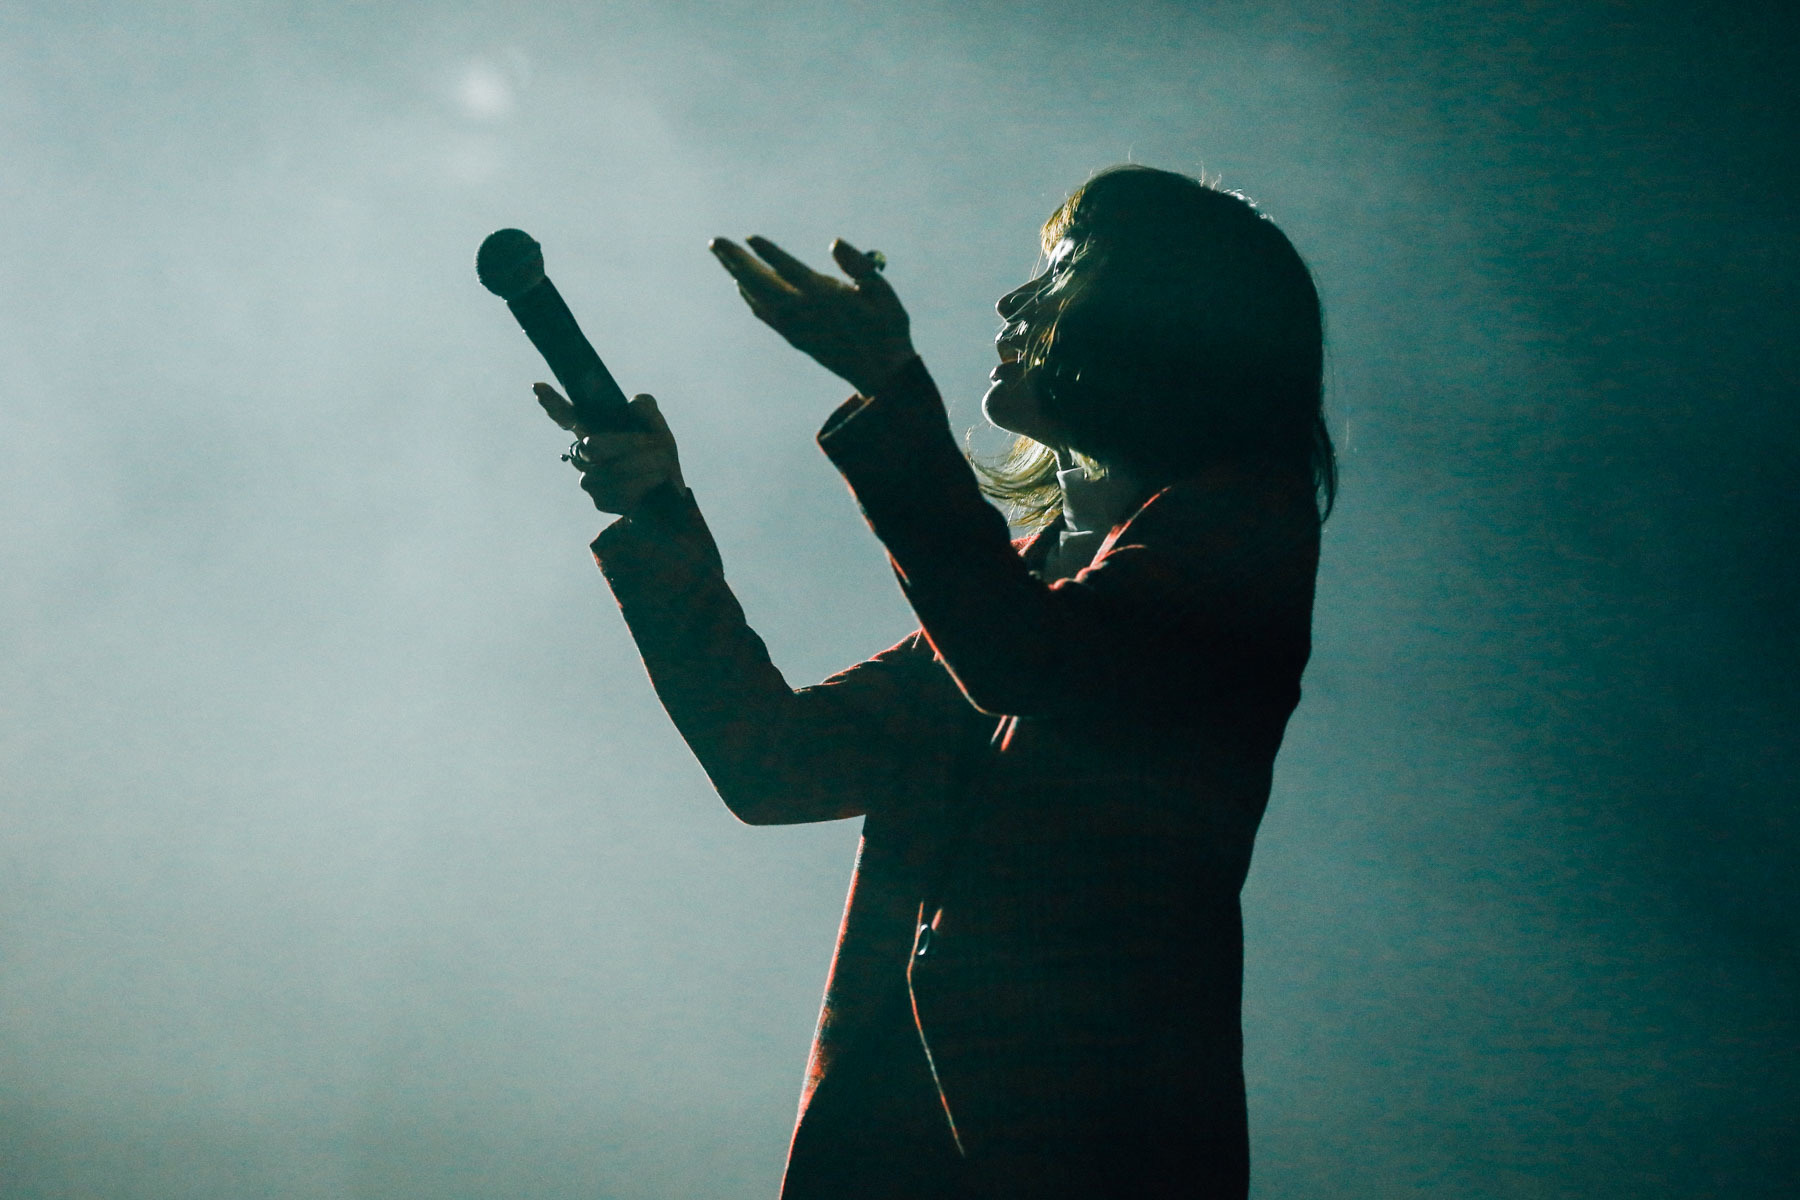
1234 493
1226 514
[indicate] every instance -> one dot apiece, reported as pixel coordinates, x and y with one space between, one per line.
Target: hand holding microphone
624 450
618 469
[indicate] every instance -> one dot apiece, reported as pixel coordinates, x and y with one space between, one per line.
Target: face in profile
1014 402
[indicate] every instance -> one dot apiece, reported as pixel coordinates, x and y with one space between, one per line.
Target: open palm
858 330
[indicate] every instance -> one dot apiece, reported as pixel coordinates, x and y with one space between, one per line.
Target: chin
993 412
1005 408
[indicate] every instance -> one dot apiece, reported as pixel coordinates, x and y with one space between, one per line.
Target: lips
1008 366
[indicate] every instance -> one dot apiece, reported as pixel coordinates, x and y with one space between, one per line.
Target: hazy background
344 849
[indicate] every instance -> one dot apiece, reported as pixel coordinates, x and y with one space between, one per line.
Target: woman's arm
877 736
882 733
1204 598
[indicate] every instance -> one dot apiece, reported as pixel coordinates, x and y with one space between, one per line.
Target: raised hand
858 330
619 469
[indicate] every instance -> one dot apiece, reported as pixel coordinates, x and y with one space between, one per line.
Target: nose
1013 301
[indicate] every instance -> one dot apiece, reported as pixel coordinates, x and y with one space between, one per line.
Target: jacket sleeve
1202 599
871 735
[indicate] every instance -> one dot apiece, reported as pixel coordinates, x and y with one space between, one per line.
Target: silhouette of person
1037 986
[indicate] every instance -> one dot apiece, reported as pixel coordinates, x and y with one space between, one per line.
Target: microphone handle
599 403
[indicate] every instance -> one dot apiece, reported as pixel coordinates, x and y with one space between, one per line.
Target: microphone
510 264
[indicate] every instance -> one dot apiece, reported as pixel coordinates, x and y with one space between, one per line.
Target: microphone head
509 263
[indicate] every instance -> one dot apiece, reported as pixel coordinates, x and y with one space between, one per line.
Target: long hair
1189 333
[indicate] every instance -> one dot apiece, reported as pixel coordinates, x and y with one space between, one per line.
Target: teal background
344 849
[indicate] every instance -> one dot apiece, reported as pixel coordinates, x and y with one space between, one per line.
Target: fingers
613 451
759 284
864 268
557 408
758 308
792 270
619 468
854 262
619 489
650 416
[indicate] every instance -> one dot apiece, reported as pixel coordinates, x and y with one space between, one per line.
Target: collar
1096 505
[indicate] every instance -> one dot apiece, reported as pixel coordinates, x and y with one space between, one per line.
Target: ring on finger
577 455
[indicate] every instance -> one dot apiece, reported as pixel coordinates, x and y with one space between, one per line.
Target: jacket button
924 941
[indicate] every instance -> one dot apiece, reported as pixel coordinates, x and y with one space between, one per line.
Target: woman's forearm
775 755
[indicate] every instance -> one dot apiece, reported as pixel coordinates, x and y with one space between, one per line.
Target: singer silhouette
1036 990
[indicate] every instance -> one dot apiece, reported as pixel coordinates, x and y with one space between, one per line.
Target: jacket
1060 785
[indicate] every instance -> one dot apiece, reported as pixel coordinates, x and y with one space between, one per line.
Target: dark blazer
1060 784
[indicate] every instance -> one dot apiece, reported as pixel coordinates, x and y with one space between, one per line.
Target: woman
1037 984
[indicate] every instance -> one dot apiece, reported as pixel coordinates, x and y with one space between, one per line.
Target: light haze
345 850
